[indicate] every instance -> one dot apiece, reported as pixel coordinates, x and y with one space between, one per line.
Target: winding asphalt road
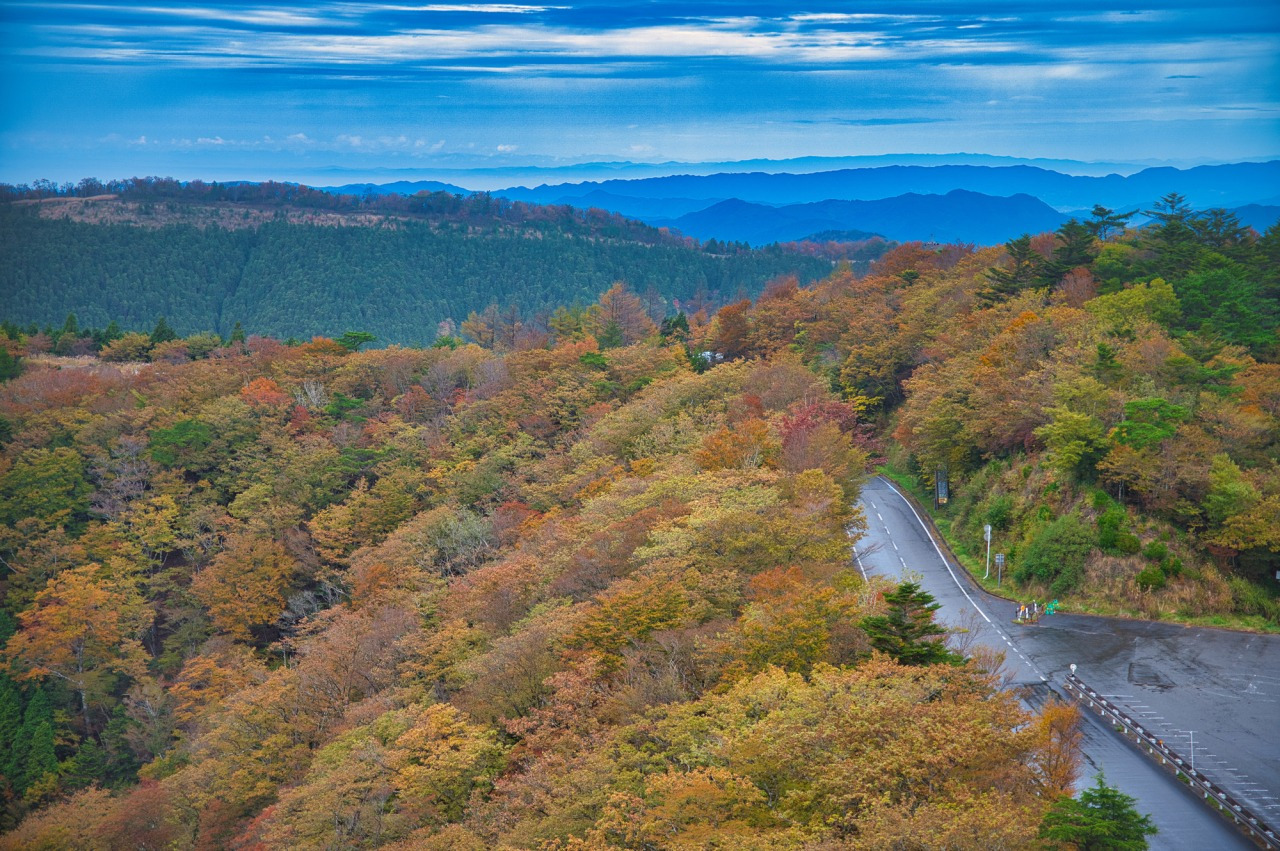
1217 688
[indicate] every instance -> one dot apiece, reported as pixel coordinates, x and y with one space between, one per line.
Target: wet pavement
1215 688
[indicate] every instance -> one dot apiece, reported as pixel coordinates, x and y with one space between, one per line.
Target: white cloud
852 17
479 8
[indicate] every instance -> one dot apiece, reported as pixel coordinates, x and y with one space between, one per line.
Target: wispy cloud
383 33
477 8
375 78
871 122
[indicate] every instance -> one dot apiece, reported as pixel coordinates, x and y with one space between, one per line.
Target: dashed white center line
954 578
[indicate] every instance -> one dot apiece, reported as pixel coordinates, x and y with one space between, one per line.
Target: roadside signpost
986 535
999 568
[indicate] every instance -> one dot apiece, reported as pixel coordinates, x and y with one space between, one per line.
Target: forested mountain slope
289 269
295 597
1108 400
592 588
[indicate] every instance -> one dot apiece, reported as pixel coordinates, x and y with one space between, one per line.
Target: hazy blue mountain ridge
958 216
1231 185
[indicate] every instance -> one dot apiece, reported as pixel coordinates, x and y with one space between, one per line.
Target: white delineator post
986 534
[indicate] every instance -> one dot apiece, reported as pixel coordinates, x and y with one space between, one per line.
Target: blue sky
333 90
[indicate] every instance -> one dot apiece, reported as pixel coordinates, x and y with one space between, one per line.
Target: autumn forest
585 581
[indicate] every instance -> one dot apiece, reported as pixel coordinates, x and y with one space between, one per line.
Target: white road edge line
858 558
938 550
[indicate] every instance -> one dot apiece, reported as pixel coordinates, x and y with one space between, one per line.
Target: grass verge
975 564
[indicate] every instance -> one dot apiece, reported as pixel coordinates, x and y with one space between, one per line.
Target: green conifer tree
88 766
10 728
1022 273
163 332
38 711
908 631
10 366
121 764
42 759
1102 819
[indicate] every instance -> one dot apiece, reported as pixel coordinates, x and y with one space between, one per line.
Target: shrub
1113 537
1057 553
1156 551
1000 511
593 359
1251 599
1151 578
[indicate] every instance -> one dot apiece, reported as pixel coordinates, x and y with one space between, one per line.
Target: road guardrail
1249 822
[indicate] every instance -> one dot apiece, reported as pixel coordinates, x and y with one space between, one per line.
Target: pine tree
1103 819
88 766
908 632
353 340
121 764
1006 283
41 759
1105 221
1171 236
237 333
39 713
611 336
163 333
675 327
10 729
1075 247
10 366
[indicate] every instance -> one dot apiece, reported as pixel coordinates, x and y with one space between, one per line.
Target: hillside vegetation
287 261
591 588
299 597
1107 400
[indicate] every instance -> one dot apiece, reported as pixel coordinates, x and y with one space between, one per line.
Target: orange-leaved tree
83 629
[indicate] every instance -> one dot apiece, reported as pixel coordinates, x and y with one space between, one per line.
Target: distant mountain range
496 173
400 187
1204 186
965 202
958 216
1258 216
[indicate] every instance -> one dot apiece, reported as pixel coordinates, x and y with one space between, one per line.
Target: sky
334 92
